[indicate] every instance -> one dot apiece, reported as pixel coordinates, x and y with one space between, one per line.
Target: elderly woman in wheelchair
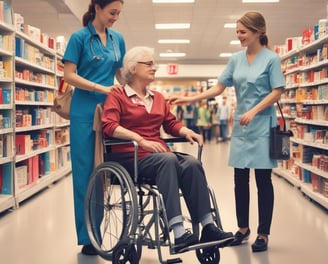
138 113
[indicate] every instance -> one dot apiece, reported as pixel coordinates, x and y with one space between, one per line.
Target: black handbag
280 141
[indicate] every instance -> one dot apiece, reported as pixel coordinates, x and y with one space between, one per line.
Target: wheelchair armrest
118 141
184 140
175 140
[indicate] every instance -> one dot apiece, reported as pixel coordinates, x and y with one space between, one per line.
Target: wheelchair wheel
125 252
111 208
209 255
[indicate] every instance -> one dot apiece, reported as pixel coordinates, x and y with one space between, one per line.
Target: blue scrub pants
82 140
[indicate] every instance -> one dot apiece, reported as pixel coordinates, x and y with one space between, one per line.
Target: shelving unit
34 140
305 104
7 199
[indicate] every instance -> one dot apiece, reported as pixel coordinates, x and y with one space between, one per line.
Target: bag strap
283 118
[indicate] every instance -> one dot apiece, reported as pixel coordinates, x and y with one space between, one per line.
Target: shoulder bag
280 141
62 102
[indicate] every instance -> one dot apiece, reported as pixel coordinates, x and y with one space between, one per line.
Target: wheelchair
123 215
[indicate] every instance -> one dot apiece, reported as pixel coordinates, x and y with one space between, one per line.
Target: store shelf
305 100
32 76
44 182
288 176
306 188
7 202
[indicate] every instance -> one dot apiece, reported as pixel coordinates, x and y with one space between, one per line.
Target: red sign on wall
172 69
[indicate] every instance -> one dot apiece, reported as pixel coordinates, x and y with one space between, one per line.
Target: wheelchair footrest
217 244
175 260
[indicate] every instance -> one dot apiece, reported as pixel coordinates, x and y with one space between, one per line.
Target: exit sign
172 69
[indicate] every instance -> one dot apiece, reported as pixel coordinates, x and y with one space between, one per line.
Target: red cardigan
120 110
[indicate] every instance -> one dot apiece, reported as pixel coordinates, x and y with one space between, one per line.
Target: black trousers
171 171
265 198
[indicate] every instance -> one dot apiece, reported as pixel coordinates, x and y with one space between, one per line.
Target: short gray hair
131 59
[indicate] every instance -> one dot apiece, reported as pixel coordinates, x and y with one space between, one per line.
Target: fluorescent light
225 55
234 42
172 54
172 1
173 41
260 1
230 25
172 26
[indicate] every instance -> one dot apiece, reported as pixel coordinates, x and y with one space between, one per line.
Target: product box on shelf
5 175
23 144
21 176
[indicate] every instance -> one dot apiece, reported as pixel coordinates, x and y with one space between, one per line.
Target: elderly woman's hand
152 146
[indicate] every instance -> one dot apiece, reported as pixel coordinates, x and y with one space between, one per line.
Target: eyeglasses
148 63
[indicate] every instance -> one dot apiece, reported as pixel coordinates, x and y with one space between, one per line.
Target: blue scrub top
95 62
250 144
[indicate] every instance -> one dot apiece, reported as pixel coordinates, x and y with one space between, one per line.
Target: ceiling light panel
173 26
172 54
225 55
230 25
172 1
173 41
260 1
234 42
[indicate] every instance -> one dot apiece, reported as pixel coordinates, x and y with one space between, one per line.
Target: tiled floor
42 231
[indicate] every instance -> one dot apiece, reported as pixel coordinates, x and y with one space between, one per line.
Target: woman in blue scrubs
256 74
92 59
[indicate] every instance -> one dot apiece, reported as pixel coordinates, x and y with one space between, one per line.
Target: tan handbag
62 102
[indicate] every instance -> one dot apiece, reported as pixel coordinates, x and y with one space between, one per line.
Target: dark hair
255 22
91 13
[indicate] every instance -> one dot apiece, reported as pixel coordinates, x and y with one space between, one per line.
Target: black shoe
186 240
260 245
89 250
240 238
212 233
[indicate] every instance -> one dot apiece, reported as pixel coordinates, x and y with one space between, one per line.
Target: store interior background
201 66
207 35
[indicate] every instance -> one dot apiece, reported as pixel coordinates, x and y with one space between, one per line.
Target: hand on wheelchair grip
195 137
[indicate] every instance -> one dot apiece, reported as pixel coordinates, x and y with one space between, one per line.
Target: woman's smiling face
246 36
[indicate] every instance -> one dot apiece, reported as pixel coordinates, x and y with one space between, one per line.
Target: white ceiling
207 35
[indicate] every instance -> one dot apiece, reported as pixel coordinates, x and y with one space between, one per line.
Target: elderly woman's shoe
240 238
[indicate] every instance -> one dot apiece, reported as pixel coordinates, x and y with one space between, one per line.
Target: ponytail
264 40
91 13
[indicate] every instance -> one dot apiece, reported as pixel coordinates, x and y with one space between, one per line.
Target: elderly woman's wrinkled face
146 69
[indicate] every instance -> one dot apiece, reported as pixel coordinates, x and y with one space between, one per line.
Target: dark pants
171 171
265 198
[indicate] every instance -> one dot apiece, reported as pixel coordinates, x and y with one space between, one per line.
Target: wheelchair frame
123 215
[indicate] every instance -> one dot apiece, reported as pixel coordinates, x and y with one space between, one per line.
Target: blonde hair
130 60
255 22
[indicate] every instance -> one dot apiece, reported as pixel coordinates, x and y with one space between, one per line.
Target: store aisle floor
42 231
